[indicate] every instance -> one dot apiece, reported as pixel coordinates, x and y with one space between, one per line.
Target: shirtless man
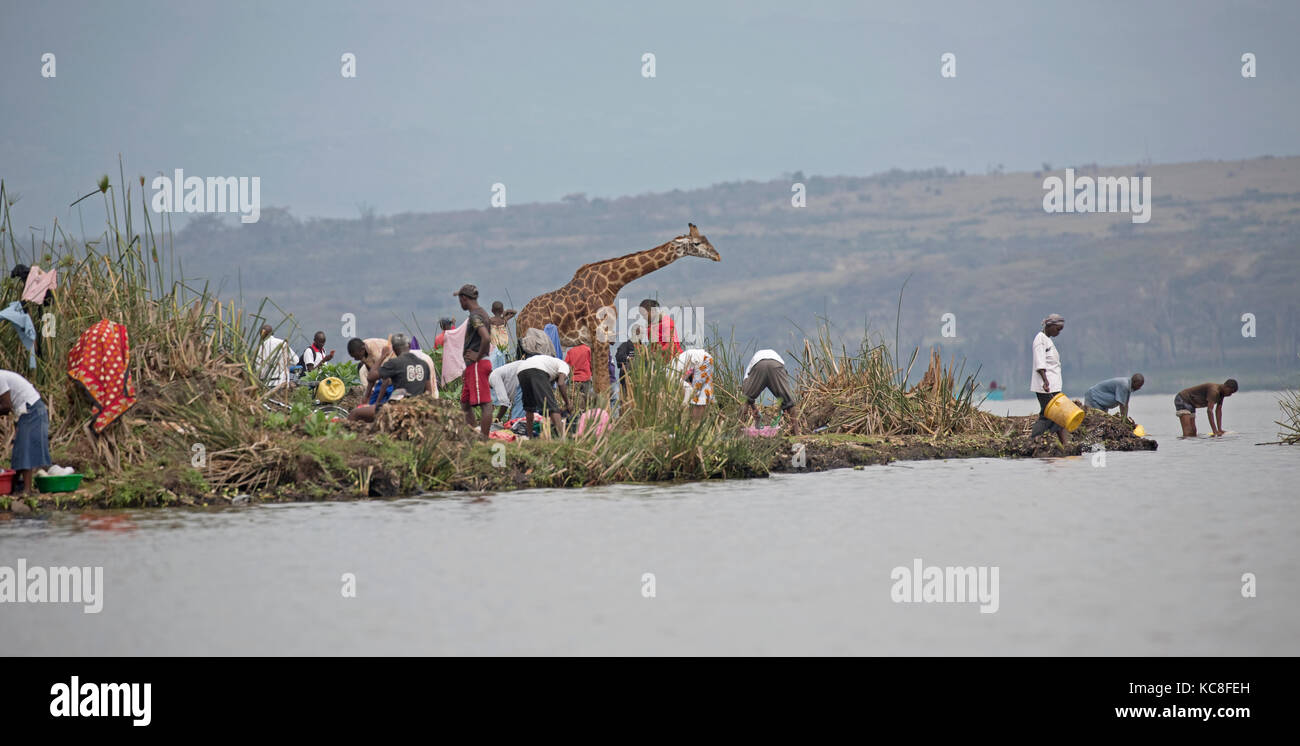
1207 395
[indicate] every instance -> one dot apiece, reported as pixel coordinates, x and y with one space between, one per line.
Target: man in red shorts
476 392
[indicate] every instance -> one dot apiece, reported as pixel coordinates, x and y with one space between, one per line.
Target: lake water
1143 555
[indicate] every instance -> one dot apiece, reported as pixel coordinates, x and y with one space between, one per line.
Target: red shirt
664 334
437 341
579 358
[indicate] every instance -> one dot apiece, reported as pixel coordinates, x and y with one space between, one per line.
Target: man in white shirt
766 370
504 382
1046 380
315 354
536 376
32 434
273 358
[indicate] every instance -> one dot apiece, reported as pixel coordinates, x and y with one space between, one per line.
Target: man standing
315 354
536 376
766 370
477 390
1208 395
1046 377
273 358
407 372
32 434
1113 391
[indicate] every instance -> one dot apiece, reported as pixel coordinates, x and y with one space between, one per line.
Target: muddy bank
1011 440
418 449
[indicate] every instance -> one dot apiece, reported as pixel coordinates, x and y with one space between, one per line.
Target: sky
450 98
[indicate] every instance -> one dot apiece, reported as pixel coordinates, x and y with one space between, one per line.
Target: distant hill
1165 298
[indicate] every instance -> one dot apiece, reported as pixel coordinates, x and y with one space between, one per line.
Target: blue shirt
1110 392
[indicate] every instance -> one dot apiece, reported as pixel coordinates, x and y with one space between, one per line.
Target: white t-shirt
552 366
22 394
273 360
1045 358
504 382
311 357
762 355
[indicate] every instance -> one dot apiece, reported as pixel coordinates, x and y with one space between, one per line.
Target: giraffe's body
573 308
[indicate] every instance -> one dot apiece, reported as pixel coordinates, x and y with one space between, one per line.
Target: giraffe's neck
619 272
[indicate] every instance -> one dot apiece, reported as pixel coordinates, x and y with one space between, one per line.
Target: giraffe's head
695 244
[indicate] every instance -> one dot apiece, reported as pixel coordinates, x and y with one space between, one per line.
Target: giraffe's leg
600 368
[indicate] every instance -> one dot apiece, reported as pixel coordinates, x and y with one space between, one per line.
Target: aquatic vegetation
1290 422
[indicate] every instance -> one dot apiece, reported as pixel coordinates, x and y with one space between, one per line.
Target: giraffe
573 307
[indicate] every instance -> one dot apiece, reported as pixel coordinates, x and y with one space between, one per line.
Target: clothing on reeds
14 314
100 361
39 282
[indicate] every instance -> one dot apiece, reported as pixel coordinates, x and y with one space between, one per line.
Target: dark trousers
1042 424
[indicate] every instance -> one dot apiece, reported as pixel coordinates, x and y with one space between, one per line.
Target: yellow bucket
1063 412
330 390
1140 431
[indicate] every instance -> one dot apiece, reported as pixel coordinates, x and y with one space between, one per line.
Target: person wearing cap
477 389
1046 381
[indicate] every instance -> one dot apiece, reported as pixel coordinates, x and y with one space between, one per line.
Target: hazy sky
548 98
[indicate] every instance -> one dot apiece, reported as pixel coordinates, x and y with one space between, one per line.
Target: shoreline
378 466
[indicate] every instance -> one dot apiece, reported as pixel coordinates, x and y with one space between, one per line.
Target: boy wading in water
477 390
1207 395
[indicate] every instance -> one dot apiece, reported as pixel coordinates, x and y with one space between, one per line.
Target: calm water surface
1141 556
